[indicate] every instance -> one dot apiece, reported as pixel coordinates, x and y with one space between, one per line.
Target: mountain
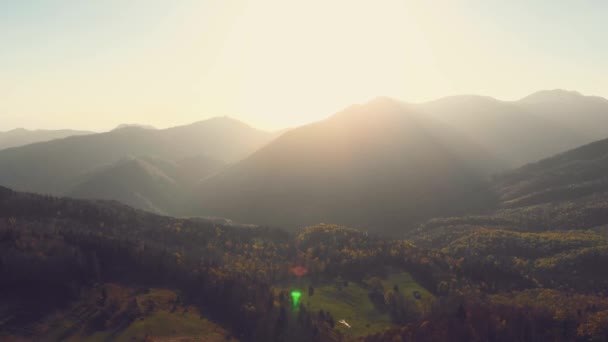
381 165
19 137
550 226
386 164
396 163
151 184
535 127
54 167
221 138
586 115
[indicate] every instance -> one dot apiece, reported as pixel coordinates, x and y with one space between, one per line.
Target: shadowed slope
378 165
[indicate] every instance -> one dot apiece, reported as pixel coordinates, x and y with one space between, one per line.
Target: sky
281 63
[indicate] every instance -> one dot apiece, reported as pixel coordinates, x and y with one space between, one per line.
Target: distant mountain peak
464 99
555 95
18 130
222 120
140 126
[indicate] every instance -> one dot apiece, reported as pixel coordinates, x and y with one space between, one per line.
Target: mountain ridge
52 166
331 162
20 136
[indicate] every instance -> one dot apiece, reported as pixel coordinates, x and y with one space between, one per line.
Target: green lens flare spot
295 298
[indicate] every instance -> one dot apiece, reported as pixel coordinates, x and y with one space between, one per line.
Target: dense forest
480 284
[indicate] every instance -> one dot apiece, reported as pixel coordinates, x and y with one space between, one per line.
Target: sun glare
336 53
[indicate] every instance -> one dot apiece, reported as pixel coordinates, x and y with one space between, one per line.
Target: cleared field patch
349 301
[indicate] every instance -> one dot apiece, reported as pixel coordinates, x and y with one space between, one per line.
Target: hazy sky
278 63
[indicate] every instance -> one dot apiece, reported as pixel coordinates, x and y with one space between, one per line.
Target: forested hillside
94 269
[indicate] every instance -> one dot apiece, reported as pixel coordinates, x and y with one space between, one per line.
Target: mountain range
129 162
380 164
476 246
390 164
535 127
385 165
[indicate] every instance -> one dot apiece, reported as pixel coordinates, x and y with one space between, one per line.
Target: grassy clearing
352 303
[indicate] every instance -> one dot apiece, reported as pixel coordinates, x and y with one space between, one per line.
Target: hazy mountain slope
145 183
566 176
53 167
586 115
519 132
134 125
568 191
221 138
20 136
134 182
388 163
376 165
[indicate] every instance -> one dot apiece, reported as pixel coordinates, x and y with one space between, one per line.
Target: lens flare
295 298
